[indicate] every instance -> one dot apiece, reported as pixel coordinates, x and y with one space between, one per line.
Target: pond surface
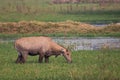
99 24
83 43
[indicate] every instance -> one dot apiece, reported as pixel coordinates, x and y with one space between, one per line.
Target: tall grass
87 65
16 10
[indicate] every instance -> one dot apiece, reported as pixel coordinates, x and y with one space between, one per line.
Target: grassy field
87 65
14 36
17 10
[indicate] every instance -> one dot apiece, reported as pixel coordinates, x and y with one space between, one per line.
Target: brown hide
42 46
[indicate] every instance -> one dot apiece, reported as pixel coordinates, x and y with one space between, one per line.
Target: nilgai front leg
41 58
46 59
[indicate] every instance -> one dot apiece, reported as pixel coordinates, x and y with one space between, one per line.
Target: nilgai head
67 54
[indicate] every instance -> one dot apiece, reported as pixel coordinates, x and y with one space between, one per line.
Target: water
100 24
83 43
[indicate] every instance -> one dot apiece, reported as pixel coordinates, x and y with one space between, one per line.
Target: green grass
91 17
14 36
44 10
87 65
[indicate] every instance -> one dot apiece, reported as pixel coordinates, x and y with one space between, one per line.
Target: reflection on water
83 43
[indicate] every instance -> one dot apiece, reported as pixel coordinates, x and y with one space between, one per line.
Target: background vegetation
87 65
91 11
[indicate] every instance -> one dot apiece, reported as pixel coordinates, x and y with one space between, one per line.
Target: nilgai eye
67 54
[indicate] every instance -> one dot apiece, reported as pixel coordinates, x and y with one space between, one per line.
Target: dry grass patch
55 27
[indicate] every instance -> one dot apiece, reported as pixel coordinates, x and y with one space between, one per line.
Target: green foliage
87 65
